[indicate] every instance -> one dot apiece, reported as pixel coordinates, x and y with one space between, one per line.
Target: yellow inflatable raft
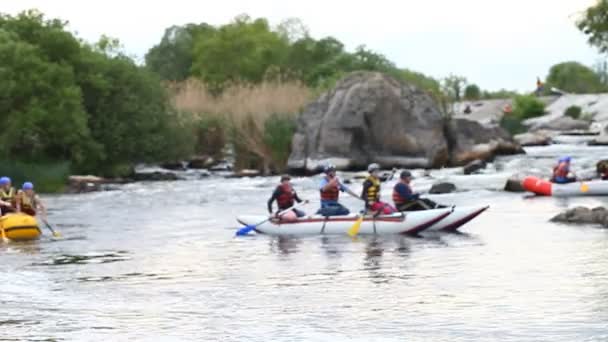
19 227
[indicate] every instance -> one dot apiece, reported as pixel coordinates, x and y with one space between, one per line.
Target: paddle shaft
53 231
248 228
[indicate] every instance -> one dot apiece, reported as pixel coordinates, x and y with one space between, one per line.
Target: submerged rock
474 166
583 215
442 188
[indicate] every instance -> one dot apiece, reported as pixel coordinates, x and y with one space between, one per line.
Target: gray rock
470 140
602 140
155 176
442 188
577 215
175 166
371 117
539 138
83 184
562 123
474 166
244 173
201 162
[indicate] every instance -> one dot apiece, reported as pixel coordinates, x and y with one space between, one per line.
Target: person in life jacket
602 169
7 196
371 192
285 196
561 172
28 201
330 188
406 200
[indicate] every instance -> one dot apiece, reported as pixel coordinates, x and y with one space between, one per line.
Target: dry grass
245 107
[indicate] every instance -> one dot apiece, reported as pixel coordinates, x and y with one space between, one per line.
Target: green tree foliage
62 100
594 23
574 77
453 87
472 92
527 106
573 112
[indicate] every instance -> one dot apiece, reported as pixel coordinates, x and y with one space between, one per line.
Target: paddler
406 200
561 172
285 196
371 192
28 201
330 188
7 196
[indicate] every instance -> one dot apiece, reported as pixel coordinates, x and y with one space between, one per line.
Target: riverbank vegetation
90 108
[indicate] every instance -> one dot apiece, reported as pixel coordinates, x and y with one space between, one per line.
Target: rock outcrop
562 123
442 188
583 215
538 138
371 117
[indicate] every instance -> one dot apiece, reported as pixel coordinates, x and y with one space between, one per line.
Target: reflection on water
166 266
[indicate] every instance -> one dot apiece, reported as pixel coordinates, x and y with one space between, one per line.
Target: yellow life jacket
27 202
7 196
373 192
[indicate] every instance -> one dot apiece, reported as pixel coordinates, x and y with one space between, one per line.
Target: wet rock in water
175 166
244 173
205 174
602 140
470 140
442 188
154 176
562 123
539 138
513 184
474 166
221 166
201 162
83 184
583 215
347 181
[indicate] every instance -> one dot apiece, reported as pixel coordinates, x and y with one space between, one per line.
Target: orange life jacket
332 193
561 170
287 196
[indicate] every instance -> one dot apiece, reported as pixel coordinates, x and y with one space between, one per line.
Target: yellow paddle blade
354 230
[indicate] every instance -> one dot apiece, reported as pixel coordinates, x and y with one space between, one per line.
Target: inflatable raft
412 222
546 188
19 227
459 217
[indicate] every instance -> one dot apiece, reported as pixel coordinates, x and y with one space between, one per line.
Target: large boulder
370 117
538 138
583 215
470 140
562 123
442 188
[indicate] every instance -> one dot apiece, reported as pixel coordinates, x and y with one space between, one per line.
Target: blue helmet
4 180
28 186
565 159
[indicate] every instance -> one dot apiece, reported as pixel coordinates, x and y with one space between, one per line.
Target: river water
159 262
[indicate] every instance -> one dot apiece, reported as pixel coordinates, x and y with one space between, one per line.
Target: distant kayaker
371 192
28 201
406 200
561 172
7 196
330 188
285 196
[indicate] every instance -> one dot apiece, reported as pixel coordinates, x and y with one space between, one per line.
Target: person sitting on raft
330 188
561 172
28 201
285 196
406 200
371 192
7 196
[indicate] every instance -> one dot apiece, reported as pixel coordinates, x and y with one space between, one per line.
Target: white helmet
373 167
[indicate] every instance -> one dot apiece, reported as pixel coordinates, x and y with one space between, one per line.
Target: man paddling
285 196
561 172
406 200
330 189
7 196
371 192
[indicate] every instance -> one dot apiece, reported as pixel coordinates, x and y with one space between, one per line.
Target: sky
493 43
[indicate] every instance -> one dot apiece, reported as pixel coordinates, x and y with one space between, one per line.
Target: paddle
55 233
245 230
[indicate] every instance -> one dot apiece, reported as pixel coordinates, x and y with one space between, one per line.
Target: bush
527 106
278 132
512 124
47 176
573 112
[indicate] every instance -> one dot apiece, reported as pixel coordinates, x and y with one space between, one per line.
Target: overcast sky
494 43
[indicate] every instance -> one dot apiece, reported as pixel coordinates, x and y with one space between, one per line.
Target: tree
472 92
453 87
574 77
594 24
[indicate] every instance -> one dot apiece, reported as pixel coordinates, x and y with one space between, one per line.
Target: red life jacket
286 198
330 194
561 170
397 198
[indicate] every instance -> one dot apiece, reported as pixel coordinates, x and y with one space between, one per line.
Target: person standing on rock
561 172
371 192
406 200
285 196
330 189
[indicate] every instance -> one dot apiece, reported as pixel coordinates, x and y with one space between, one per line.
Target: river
159 262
